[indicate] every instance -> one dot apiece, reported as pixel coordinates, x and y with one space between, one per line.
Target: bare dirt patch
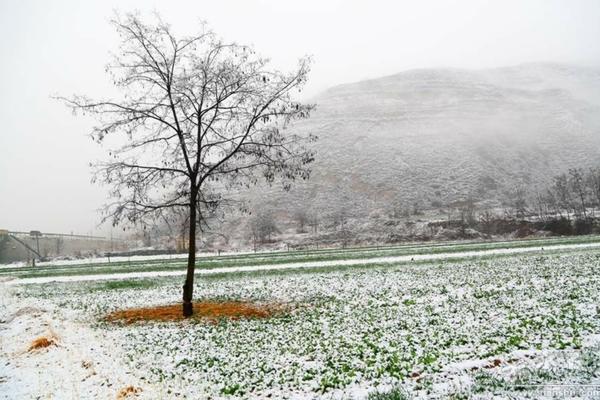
210 311
128 392
42 342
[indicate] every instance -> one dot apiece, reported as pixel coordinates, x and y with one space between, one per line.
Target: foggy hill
436 136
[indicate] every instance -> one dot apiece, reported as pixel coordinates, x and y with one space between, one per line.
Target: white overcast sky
61 47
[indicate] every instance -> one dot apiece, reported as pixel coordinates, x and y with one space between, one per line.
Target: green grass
394 394
127 284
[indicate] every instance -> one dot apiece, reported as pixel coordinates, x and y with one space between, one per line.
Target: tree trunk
582 196
188 287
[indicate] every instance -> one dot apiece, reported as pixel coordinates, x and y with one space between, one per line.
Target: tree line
568 205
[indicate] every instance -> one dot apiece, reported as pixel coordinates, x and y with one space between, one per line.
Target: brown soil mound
129 391
207 310
42 342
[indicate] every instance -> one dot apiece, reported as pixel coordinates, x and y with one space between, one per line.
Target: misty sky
61 47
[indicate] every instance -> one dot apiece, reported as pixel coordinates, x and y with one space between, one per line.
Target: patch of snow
79 365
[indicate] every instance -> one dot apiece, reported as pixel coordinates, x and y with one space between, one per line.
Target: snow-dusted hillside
441 135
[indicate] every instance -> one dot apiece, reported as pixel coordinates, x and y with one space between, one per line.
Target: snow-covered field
304 264
523 325
170 265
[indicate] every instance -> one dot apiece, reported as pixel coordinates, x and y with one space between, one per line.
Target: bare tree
198 117
301 217
263 226
487 220
467 213
579 189
340 219
593 183
517 201
544 205
313 221
174 223
562 194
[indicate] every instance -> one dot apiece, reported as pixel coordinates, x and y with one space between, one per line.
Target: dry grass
129 391
205 310
42 342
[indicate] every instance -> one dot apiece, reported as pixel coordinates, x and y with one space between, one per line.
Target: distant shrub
500 226
559 226
524 230
583 227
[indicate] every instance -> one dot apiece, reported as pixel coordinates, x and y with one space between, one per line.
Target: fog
61 48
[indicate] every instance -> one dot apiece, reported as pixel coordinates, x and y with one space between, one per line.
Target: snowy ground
525 325
82 365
